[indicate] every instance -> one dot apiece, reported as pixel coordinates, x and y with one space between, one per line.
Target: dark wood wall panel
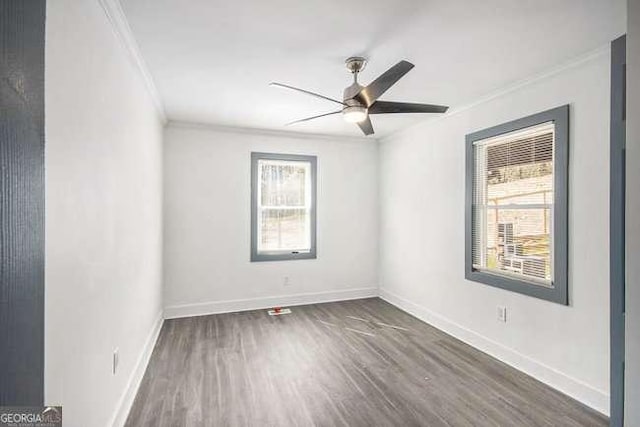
22 36
617 264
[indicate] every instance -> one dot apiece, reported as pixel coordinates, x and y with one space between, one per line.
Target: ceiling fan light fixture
354 114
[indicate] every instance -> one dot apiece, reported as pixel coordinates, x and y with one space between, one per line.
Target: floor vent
277 311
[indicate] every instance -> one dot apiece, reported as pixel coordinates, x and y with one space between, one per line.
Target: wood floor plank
352 363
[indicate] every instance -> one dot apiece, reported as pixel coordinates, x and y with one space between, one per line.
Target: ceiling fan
360 101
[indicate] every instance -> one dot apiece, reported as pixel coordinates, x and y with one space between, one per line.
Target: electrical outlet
115 361
502 314
286 281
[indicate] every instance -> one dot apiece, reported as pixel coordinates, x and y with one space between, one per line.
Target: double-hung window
517 205
283 211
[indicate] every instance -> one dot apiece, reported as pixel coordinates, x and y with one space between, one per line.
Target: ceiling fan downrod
355 64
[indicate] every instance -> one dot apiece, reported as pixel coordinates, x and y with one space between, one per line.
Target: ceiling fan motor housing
350 92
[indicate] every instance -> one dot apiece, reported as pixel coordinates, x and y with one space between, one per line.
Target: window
283 215
517 205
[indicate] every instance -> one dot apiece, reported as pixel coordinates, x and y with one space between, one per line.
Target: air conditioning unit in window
512 264
535 267
513 249
505 233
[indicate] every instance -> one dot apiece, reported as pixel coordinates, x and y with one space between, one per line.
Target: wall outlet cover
115 361
502 314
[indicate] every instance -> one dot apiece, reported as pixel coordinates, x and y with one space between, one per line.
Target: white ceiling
212 60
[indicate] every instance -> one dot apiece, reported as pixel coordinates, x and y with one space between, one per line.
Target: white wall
422 235
632 375
207 221
103 214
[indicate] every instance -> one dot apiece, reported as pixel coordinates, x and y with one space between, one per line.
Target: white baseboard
129 395
577 389
216 307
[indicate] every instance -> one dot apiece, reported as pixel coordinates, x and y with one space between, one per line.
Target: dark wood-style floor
352 363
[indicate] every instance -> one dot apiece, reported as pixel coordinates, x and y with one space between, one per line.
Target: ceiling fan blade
366 126
385 107
314 117
317 95
376 88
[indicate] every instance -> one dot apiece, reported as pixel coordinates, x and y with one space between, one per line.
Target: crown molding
572 63
178 124
120 25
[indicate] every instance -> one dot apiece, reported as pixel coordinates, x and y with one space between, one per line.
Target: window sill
282 256
530 288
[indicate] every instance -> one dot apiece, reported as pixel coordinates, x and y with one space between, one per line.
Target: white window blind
284 206
512 208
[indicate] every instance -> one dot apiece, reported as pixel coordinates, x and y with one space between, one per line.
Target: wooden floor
352 363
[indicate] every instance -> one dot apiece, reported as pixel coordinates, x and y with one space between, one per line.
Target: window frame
558 292
255 176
